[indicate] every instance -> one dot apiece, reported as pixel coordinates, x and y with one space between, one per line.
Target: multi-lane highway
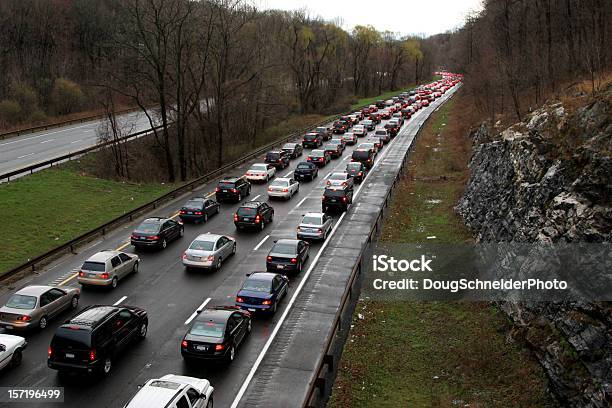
171 296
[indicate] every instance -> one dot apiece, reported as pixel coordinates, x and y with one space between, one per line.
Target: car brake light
154 238
345 199
219 347
266 302
258 218
25 318
217 189
285 190
104 275
92 355
269 258
320 230
235 217
49 352
81 273
239 300
234 190
198 213
184 344
321 159
293 260
183 212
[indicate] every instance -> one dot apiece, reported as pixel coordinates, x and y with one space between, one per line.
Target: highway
171 295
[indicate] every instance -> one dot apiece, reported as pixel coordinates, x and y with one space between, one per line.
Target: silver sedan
33 306
314 226
208 251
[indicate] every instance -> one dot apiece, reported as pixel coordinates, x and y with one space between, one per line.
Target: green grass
51 207
434 354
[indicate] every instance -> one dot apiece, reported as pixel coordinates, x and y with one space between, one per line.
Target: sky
422 17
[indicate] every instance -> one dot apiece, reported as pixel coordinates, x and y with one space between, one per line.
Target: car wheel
74 303
135 268
210 402
239 197
273 310
234 249
231 354
42 323
219 263
164 244
249 326
262 225
142 332
181 232
299 267
218 209
271 217
107 366
114 282
249 191
205 217
16 359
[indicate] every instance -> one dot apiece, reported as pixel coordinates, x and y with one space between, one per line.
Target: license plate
189 212
225 191
69 355
8 327
333 200
201 348
252 310
280 266
246 219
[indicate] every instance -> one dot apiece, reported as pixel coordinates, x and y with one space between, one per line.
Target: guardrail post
329 360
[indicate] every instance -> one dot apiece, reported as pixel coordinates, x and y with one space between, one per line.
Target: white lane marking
327 175
26 155
347 157
47 141
119 301
288 174
44 134
199 309
301 202
256 197
261 242
76 141
278 325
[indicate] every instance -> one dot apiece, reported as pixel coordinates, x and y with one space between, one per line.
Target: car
340 179
365 111
262 292
91 341
106 268
287 255
380 104
305 171
324 132
33 306
407 112
369 145
360 130
383 135
294 150
336 198
350 138
199 209
340 127
232 189
424 103
399 118
215 334
319 157
368 125
260 172
353 119
312 140
357 171
208 251
333 149
314 226
363 156
359 115
377 141
374 117
173 391
254 214
373 108
285 187
277 158
339 139
385 114
156 232
11 350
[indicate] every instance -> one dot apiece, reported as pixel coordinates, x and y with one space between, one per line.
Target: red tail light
134 236
321 159
217 189
198 213
369 160
239 300
219 347
258 219
266 302
92 355
184 344
320 230
285 190
81 273
104 275
361 173
345 199
269 258
210 258
293 260
234 190
183 212
49 352
25 318
154 238
235 217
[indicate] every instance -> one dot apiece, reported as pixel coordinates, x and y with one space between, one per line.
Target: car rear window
310 137
194 204
66 337
317 153
311 219
246 211
202 245
334 193
360 154
94 266
321 129
380 132
148 227
208 329
338 176
259 167
353 166
256 285
289 147
22 302
272 156
226 185
304 166
285 249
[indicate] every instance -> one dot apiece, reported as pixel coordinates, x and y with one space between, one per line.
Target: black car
287 255
334 150
254 214
337 198
380 104
340 127
324 132
294 150
278 158
319 157
364 156
156 232
199 209
91 340
305 171
357 170
312 140
215 334
232 189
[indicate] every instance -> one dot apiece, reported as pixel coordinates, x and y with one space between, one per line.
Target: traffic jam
92 340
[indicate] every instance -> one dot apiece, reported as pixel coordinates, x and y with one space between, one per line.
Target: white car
360 130
341 179
349 138
11 348
261 172
173 391
283 188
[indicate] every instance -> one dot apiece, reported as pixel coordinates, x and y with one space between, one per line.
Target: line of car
91 340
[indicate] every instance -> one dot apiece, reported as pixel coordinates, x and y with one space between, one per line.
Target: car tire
114 282
142 331
239 197
205 217
135 268
262 225
249 326
231 354
210 402
164 244
74 302
43 322
17 357
234 249
181 233
273 310
299 267
107 366
218 209
219 264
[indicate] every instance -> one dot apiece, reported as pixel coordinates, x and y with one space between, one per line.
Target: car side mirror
2 347
248 274
275 241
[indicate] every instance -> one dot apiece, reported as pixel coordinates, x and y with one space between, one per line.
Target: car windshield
70 339
285 249
247 211
208 329
21 302
256 285
93 266
259 167
310 137
279 183
312 220
202 245
148 227
194 204
338 176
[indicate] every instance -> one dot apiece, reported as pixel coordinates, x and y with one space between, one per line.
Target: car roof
230 179
155 396
263 276
34 290
317 150
159 219
92 316
287 241
208 237
314 214
103 256
276 151
252 204
214 315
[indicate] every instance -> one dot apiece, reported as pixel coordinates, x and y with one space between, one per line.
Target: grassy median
434 354
48 208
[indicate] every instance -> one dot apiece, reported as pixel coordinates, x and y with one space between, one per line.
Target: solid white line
301 202
76 141
199 309
47 141
256 197
261 243
44 134
288 174
25 155
347 157
119 301
327 175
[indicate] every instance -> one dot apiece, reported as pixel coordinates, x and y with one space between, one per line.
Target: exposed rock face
549 179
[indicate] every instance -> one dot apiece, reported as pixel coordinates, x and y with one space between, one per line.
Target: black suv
91 340
254 214
278 158
337 198
306 171
232 189
156 232
364 156
357 171
312 140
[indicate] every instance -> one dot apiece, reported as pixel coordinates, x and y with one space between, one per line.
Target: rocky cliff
549 179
